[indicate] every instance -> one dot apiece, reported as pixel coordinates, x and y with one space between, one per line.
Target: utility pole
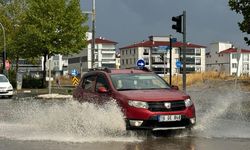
93 14
93 34
170 61
4 49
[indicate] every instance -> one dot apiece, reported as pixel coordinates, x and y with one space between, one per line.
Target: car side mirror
175 87
102 89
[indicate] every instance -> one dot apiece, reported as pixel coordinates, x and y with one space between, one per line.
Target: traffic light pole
170 61
184 51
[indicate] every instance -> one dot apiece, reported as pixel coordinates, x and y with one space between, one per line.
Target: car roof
122 71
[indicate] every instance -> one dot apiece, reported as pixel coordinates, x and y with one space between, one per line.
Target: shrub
31 82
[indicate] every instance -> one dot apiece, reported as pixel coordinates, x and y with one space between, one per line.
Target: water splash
220 112
65 121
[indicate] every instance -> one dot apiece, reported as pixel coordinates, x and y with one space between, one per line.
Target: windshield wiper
126 89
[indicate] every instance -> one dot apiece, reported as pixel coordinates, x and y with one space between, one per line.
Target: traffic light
178 25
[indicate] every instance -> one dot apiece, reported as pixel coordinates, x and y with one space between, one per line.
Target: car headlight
138 104
188 102
10 87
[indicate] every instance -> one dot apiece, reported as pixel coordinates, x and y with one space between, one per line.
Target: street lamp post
93 13
4 49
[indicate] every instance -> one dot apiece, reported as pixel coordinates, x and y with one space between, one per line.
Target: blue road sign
74 72
140 63
178 64
174 40
163 47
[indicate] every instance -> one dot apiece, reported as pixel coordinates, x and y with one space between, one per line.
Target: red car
147 100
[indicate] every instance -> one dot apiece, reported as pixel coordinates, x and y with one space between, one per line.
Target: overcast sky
129 21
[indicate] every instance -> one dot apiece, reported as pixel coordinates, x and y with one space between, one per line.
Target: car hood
4 84
154 95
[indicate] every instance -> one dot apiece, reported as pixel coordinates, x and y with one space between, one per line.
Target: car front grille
159 106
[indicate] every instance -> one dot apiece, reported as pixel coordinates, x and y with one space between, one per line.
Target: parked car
6 88
146 99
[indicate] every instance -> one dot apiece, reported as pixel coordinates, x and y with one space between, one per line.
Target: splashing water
220 113
65 121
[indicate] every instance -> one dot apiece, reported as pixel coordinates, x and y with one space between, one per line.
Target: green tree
53 27
242 7
12 14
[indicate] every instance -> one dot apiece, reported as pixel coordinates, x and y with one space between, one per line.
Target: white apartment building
105 56
58 65
223 57
195 58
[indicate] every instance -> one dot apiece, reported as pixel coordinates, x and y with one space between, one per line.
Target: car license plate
166 118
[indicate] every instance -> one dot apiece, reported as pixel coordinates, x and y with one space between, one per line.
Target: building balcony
108 52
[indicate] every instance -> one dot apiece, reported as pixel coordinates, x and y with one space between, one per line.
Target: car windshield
138 82
3 79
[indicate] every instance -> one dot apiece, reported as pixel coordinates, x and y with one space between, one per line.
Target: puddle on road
66 121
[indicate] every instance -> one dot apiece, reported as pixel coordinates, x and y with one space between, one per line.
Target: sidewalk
56 93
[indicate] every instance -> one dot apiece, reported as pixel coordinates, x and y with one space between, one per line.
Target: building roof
234 50
102 41
161 43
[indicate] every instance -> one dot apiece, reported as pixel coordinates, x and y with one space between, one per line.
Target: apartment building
105 56
223 57
195 58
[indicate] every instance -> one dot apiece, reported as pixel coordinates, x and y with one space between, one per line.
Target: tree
12 13
53 27
242 7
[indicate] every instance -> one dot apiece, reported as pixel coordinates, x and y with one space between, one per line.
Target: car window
88 83
101 81
3 79
138 81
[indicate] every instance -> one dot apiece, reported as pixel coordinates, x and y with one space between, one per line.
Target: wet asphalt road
223 123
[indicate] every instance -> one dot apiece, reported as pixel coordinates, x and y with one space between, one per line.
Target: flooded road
223 122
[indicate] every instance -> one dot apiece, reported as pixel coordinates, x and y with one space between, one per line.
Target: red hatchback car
147 100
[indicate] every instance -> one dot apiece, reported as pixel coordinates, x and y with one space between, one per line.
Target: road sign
163 47
75 81
174 40
74 72
140 63
178 64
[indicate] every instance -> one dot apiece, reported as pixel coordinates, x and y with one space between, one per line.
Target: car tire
10 96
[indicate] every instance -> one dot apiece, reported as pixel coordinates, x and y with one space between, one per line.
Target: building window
122 61
145 52
122 52
245 57
198 51
245 67
234 56
130 52
176 51
134 51
126 61
126 51
197 61
234 65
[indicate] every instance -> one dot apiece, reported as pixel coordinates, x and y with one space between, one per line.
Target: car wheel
10 96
